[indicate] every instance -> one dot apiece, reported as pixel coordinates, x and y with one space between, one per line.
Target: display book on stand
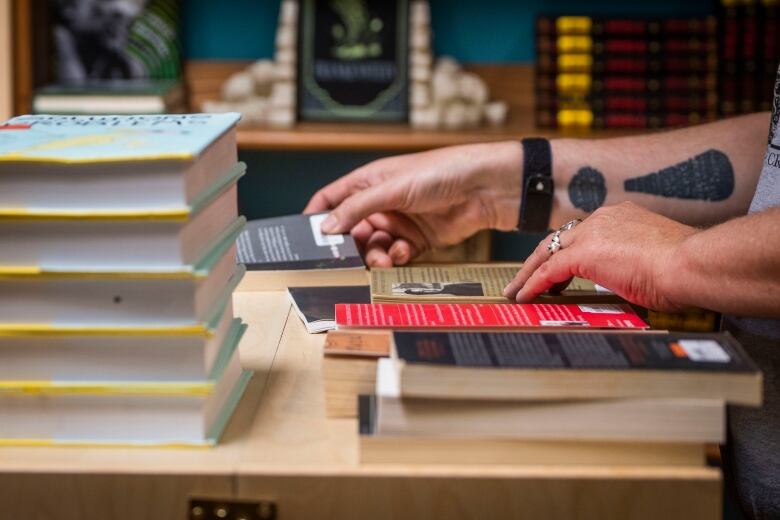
117 267
613 72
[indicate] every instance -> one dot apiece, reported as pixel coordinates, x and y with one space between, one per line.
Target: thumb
358 206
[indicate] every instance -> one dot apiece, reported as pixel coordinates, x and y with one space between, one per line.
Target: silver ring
570 224
555 242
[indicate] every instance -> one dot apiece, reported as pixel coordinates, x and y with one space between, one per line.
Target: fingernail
329 224
507 293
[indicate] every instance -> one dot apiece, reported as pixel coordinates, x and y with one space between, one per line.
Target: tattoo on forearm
708 176
587 189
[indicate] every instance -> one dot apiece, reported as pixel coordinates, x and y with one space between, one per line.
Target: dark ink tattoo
587 189
708 176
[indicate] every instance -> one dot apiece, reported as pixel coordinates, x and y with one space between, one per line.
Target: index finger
333 194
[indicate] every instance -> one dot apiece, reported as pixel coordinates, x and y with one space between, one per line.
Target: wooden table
281 448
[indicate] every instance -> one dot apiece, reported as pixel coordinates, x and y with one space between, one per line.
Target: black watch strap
536 203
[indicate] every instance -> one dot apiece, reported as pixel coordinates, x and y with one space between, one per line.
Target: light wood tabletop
281 447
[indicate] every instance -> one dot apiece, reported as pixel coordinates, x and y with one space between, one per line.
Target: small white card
706 350
319 238
601 309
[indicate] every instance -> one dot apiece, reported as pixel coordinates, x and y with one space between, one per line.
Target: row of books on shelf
749 53
625 73
727 62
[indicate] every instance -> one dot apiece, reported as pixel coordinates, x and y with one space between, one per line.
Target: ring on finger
555 242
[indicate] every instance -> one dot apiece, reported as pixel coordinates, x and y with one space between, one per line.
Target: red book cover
486 316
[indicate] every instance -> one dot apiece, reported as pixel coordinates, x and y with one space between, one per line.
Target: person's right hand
400 207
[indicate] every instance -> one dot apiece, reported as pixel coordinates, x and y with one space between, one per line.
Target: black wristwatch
536 202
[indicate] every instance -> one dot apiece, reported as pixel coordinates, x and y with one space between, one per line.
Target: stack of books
117 267
441 290
749 54
554 398
625 73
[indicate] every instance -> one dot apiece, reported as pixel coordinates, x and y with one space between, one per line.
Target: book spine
728 91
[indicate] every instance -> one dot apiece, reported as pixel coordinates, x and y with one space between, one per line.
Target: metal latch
207 509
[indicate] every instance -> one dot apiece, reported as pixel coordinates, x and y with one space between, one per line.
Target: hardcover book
115 164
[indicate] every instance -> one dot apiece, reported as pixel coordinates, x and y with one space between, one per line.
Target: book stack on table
554 398
437 370
117 268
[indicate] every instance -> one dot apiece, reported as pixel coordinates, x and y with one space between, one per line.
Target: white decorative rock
420 38
472 88
286 56
283 95
238 87
262 72
444 87
472 115
254 111
420 13
217 106
428 118
420 74
496 113
284 72
421 59
281 117
285 37
454 116
446 64
288 12
419 95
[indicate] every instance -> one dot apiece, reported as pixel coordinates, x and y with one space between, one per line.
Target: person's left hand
624 248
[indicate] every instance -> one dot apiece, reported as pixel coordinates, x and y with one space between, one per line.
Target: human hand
399 207
624 248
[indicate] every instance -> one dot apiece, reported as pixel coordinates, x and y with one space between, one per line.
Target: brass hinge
207 509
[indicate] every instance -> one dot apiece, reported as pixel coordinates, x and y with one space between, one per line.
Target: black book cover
295 243
318 303
591 351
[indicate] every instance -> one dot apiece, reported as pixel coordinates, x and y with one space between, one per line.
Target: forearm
700 175
733 267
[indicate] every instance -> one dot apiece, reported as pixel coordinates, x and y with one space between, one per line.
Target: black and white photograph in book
433 288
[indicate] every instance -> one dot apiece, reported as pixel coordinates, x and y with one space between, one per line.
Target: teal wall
470 30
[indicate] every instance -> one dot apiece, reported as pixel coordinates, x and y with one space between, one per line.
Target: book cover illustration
82 139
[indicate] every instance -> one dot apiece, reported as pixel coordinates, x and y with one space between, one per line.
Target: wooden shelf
315 136
511 83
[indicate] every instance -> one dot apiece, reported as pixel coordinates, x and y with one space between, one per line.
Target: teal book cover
82 139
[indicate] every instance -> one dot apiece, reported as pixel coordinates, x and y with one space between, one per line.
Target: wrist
677 271
498 183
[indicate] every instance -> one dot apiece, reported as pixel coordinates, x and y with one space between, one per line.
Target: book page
452 282
442 282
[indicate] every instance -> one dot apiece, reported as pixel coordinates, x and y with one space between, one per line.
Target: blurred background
325 86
